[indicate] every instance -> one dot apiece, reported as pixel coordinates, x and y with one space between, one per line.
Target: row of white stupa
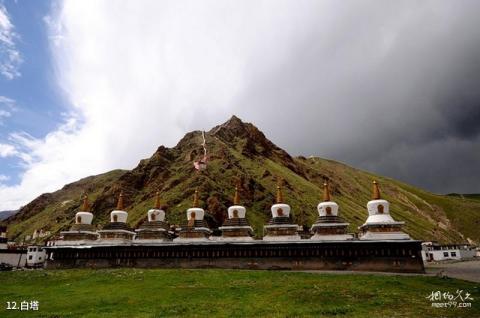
329 227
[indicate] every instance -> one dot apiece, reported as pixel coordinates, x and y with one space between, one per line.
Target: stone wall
357 255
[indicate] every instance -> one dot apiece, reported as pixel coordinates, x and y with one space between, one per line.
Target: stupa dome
327 208
378 208
195 213
119 215
280 210
378 212
236 211
84 216
156 214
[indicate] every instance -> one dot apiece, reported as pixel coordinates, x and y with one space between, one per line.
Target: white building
36 256
3 237
432 251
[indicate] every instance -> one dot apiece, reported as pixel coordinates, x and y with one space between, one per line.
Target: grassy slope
472 196
428 216
227 293
57 215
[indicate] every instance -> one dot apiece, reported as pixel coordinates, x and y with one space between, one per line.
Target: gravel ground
466 270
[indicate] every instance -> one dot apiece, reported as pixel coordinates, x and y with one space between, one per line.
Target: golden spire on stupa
236 197
157 200
376 191
195 199
326 191
120 201
85 205
279 191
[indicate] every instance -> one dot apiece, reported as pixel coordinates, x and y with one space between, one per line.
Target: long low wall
14 257
388 256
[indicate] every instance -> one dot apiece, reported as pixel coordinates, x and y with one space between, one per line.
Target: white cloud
4 113
136 79
10 57
4 178
7 106
139 78
7 102
138 75
7 150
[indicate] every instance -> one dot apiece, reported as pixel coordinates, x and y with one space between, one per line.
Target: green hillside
239 151
472 196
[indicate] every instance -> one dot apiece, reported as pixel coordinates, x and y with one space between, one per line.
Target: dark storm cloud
392 87
462 114
460 104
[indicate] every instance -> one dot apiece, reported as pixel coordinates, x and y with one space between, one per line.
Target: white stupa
155 229
119 215
84 216
117 229
280 227
82 232
196 229
236 227
329 226
380 225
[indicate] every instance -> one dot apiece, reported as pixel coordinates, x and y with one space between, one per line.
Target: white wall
36 255
450 254
13 258
465 254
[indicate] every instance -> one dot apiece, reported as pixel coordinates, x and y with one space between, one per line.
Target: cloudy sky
388 86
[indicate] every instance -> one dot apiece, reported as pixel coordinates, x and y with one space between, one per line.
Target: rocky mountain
239 152
6 214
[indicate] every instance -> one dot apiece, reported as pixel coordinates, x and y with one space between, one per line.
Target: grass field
226 293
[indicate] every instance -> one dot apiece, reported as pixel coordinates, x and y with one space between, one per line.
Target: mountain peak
234 119
253 141
234 124
234 129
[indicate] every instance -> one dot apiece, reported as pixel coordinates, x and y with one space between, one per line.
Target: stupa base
332 237
191 239
235 238
280 238
286 231
80 236
236 233
193 235
151 234
329 228
116 235
373 236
